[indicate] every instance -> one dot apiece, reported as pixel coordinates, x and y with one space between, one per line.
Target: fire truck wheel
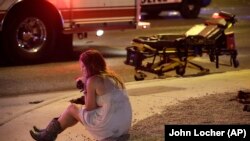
31 36
190 9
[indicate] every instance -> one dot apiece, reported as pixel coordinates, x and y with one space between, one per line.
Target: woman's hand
80 84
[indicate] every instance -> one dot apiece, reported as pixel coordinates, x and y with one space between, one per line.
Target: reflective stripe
153 2
98 13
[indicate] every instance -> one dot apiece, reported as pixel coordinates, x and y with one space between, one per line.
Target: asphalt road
60 75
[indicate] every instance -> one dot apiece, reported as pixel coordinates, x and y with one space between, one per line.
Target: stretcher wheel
234 60
139 76
236 63
180 70
212 58
204 71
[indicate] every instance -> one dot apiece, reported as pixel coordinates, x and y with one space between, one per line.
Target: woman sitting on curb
106 112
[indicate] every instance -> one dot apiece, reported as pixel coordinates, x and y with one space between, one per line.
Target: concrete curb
147 98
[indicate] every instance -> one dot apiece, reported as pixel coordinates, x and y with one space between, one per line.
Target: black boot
48 134
38 129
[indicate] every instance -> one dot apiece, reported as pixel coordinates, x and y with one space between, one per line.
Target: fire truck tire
190 9
30 36
2 55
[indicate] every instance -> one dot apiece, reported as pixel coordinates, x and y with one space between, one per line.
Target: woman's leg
70 116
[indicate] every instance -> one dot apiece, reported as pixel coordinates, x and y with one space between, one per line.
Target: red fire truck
187 8
32 31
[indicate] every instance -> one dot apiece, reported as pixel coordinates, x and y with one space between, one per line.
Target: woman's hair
95 64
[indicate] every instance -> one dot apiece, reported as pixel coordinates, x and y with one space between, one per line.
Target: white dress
112 119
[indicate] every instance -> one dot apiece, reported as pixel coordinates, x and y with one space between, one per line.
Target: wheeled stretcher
162 53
